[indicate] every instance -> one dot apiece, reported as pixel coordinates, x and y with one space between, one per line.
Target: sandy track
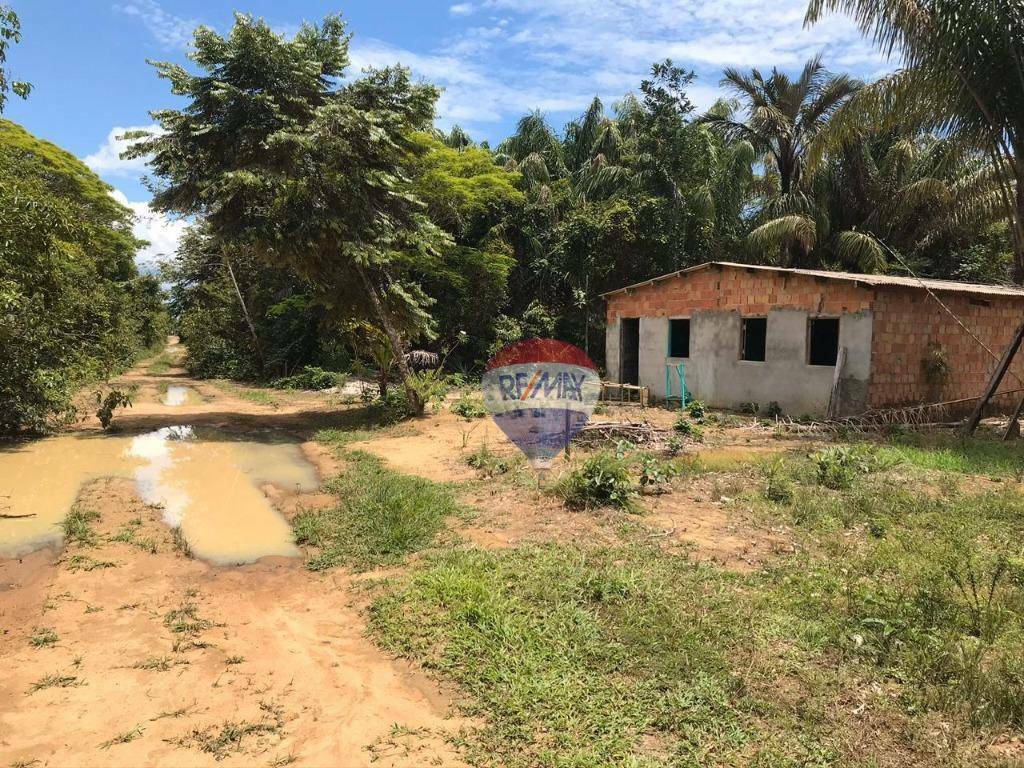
160 659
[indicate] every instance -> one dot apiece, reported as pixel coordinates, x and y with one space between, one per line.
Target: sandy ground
160 659
269 664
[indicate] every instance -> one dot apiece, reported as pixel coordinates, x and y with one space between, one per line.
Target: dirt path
128 652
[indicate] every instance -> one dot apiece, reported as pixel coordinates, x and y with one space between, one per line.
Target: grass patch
947 453
161 364
123 738
489 463
185 621
221 741
43 637
381 516
85 563
129 534
77 527
155 664
603 657
54 681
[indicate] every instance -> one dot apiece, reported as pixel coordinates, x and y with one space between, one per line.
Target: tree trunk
415 401
245 312
1017 232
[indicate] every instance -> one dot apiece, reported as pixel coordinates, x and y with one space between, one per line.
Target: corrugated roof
856 277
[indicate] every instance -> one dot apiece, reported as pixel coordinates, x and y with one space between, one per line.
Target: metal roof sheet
857 277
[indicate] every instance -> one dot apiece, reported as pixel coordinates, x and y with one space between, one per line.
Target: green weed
43 637
601 480
380 517
77 526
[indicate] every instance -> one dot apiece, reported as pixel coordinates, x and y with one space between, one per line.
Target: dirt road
120 649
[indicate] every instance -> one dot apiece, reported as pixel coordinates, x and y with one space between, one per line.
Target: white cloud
162 233
107 158
169 30
461 9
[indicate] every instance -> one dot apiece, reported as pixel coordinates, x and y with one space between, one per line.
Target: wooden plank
833 398
1013 425
972 421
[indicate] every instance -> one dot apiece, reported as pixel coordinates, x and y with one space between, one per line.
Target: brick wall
750 293
907 323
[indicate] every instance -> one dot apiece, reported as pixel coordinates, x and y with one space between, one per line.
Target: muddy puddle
178 394
207 482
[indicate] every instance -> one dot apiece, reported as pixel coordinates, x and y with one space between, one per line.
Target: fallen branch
15 517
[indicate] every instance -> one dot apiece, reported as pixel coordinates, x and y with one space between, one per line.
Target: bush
488 462
688 428
696 409
773 411
778 485
311 377
750 409
838 466
469 407
602 480
654 473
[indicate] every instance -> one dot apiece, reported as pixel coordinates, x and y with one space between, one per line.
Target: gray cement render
716 374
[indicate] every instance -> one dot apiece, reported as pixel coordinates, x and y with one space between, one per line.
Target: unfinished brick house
803 338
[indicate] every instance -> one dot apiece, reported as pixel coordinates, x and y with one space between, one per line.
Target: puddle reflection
208 482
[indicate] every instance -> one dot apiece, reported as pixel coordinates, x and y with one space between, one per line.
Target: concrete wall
612 337
716 374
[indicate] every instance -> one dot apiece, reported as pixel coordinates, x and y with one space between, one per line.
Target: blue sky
495 59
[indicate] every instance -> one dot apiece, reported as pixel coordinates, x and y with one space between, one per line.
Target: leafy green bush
778 486
110 402
488 462
73 309
684 426
838 466
601 480
311 377
469 407
696 409
655 473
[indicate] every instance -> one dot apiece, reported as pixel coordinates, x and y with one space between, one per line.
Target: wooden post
833 398
1013 425
972 421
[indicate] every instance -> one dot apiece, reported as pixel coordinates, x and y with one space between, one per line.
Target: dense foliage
426 238
72 306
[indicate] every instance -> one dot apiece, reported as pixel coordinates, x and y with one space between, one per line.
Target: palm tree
785 117
962 77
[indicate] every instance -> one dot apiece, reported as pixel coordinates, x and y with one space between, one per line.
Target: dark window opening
679 338
755 331
823 335
629 351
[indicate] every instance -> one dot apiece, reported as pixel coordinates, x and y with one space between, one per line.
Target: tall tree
785 117
276 153
10 32
962 76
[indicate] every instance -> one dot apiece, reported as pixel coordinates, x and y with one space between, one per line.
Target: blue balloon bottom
541 433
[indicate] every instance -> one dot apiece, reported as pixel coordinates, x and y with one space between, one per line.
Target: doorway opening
629 351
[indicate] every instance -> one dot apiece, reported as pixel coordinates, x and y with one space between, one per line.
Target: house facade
752 334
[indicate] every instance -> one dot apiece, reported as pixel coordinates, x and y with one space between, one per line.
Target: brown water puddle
205 481
178 394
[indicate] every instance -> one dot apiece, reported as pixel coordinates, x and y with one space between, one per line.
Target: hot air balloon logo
541 392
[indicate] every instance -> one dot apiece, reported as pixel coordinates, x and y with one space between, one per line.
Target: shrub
838 466
469 407
773 411
778 485
110 402
654 473
750 409
311 377
688 428
696 409
602 480
488 462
